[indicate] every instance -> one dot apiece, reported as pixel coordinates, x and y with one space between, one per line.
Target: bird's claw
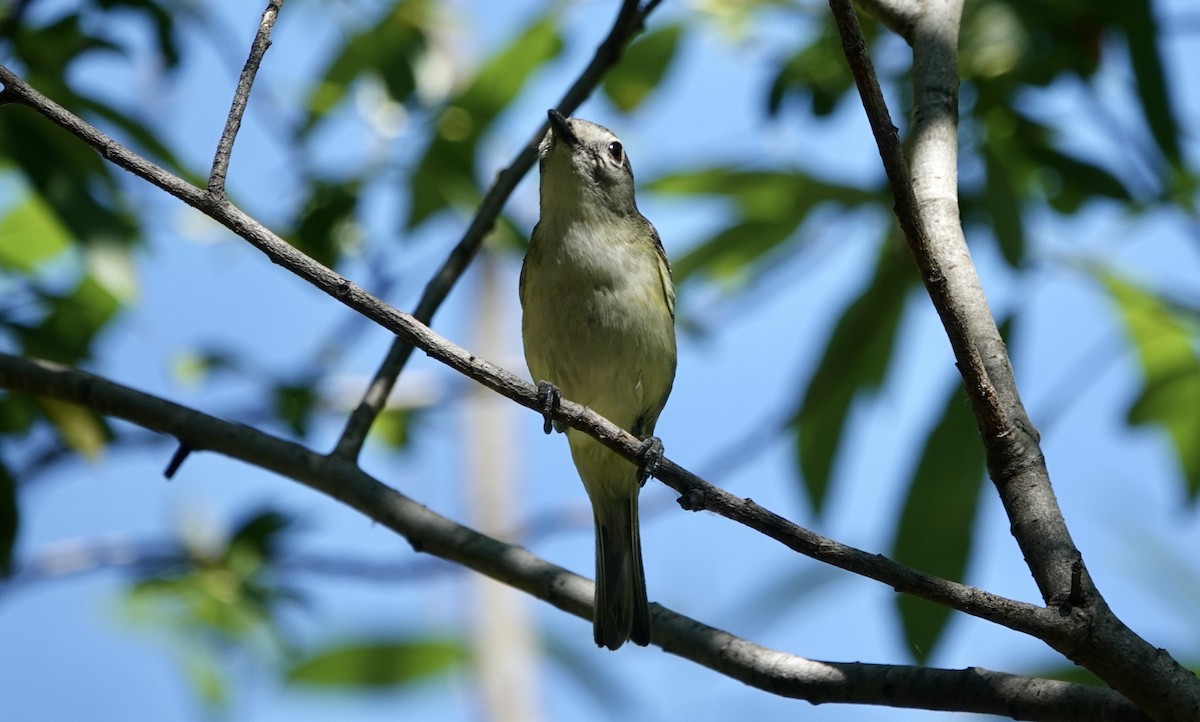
651 455
548 398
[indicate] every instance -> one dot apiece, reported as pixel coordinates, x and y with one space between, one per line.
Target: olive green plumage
599 323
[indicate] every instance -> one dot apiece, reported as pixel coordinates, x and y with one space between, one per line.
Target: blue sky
68 652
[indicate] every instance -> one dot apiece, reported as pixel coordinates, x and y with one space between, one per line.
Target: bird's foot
548 398
651 455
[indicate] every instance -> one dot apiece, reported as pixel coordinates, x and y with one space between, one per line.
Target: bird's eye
616 150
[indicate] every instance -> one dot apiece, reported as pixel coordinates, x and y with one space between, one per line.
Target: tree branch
241 96
629 21
973 690
696 493
927 209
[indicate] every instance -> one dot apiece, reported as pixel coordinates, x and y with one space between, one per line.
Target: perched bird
598 326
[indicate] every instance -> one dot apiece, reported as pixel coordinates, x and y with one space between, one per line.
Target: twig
630 19
241 96
787 675
926 206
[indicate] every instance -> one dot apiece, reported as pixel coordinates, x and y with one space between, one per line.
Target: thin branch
786 675
629 21
926 205
241 96
696 493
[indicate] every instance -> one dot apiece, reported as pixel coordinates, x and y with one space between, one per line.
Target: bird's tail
622 611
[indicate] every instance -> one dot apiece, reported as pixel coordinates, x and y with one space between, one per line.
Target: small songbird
599 326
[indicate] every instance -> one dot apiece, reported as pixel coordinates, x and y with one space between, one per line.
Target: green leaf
327 223
388 50
1078 180
80 429
1166 350
10 520
393 427
445 175
642 67
66 333
294 404
818 73
729 254
1003 204
934 534
17 413
1136 18
379 664
260 536
32 235
771 205
1070 673
70 177
855 360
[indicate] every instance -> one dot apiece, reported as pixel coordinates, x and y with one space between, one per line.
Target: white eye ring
616 150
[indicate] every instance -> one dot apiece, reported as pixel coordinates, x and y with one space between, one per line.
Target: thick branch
787 675
927 209
629 21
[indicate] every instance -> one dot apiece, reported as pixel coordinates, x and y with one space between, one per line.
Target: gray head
584 165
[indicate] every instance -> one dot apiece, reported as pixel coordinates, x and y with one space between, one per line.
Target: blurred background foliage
70 223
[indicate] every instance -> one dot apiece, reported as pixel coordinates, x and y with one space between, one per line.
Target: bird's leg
651 455
548 398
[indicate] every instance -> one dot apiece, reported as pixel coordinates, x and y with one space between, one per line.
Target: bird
598 328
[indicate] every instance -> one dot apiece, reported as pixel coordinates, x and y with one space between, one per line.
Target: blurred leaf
193 367
771 206
17 412
817 73
728 254
392 427
205 672
855 361
10 520
326 219
1070 673
32 235
48 49
642 67
1004 206
162 20
261 533
66 333
445 175
80 429
69 176
389 50
226 597
1166 350
141 139
379 664
294 404
1136 18
1078 180
934 534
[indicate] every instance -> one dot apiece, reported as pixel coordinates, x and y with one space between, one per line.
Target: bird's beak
562 129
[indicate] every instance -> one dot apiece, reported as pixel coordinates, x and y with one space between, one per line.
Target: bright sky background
68 654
